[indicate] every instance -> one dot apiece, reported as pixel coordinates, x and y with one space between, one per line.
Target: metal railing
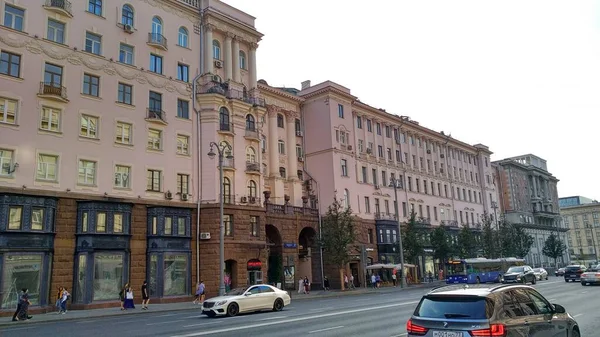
228 163
449 223
252 167
54 89
61 4
243 96
157 39
156 114
252 133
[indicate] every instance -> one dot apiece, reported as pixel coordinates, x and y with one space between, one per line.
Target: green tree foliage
338 236
514 240
413 247
466 244
489 238
554 248
440 241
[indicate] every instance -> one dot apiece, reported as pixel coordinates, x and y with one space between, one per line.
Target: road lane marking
574 316
202 324
400 335
321 309
167 315
270 318
88 321
326 329
546 283
167 322
292 320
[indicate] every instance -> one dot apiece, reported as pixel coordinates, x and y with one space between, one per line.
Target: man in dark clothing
145 297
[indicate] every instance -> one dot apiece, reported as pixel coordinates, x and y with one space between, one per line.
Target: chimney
305 85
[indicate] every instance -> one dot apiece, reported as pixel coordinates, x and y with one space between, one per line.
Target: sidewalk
174 307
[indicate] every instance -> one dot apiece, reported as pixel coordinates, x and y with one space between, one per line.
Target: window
123 133
297 127
388 134
91 85
125 94
47 167
117 223
378 125
340 111
299 153
10 64
183 109
226 190
281 146
156 64
228 222
37 219
8 111
95 7
364 175
183 37
93 43
346 198
56 31
122 174
127 15
13 17
254 226
216 50
53 75
126 54
280 120
153 180
157 28
369 236
250 123
50 119
367 205
282 172
155 139
183 145
108 274
344 167
250 155
358 122
224 124
15 217
252 189
242 60
155 102
369 125
87 172
183 184
88 127
6 161
183 72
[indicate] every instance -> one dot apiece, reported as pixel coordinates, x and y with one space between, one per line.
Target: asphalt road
374 314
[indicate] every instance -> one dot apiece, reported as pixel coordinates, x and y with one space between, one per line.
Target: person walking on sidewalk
345 281
373 280
59 299
306 285
145 297
351 282
326 283
200 289
128 297
23 303
394 279
63 301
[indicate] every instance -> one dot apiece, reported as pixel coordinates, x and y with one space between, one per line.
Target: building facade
357 152
583 222
106 119
529 197
573 201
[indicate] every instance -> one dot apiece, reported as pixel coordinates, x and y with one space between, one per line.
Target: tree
337 236
489 238
442 249
466 243
554 248
514 240
523 241
411 244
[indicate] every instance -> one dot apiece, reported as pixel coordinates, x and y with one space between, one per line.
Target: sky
518 76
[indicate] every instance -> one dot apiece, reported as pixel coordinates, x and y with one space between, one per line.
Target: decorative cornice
228 28
169 8
78 58
291 115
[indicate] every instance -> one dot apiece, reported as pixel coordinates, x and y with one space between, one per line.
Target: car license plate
572 276
447 334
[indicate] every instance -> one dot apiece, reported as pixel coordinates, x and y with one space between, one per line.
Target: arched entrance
307 252
274 242
231 274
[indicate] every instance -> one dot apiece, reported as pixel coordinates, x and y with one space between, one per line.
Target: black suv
520 274
573 272
489 310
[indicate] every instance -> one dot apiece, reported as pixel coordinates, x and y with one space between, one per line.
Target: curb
336 294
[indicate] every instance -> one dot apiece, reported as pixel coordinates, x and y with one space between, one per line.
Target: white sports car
247 299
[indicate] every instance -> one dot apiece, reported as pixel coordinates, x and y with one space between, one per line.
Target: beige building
583 222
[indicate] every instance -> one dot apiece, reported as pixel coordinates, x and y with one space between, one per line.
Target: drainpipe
318 196
198 143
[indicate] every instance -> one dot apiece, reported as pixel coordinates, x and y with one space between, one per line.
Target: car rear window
572 268
469 307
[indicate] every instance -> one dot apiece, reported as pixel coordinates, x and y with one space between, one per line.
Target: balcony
252 134
290 210
192 3
155 115
545 214
53 91
157 40
384 216
424 221
228 164
62 7
450 223
226 128
252 168
243 96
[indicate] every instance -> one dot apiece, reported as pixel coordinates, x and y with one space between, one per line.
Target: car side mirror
559 309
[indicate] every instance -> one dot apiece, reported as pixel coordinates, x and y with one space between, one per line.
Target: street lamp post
224 151
394 184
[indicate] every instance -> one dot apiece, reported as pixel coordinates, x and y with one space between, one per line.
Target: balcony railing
61 5
289 209
252 167
384 216
53 89
157 40
154 114
252 133
228 163
243 96
450 223
193 3
226 127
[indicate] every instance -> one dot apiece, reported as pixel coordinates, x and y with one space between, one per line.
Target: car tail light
495 330
414 329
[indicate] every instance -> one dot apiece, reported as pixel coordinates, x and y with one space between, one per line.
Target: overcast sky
519 76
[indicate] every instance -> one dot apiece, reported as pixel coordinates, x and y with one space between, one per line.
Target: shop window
108 276
21 271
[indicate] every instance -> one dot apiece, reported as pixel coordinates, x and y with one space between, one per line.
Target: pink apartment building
104 131
356 151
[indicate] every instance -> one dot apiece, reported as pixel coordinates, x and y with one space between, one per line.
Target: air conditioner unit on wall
128 28
218 64
204 236
184 197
